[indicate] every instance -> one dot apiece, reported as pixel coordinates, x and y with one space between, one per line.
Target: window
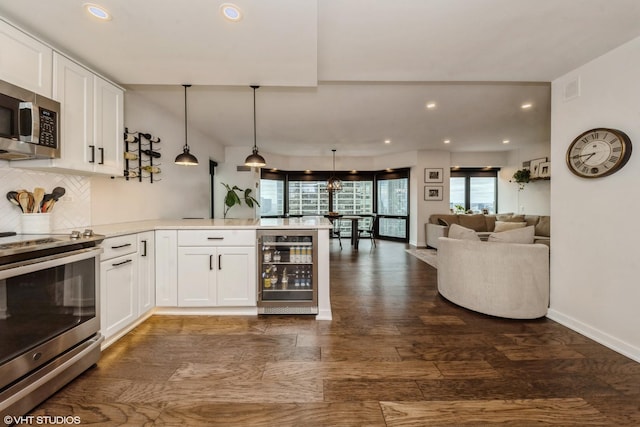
474 189
308 198
298 193
356 197
271 197
393 205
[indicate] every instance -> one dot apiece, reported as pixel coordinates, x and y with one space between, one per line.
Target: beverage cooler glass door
287 273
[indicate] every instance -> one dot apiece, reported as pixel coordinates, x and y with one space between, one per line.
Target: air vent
572 89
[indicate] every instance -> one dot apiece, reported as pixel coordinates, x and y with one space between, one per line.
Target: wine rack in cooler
287 273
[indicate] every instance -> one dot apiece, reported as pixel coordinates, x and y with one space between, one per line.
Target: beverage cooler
287 272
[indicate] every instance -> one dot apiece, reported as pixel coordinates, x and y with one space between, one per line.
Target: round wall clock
598 152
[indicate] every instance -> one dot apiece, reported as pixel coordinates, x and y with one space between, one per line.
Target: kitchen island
193 267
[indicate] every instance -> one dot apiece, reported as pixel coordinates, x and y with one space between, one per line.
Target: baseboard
324 314
207 311
597 335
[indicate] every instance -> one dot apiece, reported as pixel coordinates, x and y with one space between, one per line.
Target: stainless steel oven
49 316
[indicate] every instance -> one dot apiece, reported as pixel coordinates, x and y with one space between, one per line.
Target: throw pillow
543 227
506 226
442 222
514 218
518 235
502 216
462 233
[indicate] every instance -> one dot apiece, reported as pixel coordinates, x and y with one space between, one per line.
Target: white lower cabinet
146 272
236 277
119 293
127 281
166 268
206 268
216 276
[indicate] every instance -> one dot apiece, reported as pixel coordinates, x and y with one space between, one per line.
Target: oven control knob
75 234
88 232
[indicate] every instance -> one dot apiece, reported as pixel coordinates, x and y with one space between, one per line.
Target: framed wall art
433 175
432 193
535 167
544 170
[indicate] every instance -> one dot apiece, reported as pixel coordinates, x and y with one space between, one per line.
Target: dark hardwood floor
395 354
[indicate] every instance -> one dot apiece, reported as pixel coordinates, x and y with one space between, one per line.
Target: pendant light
186 158
333 183
254 159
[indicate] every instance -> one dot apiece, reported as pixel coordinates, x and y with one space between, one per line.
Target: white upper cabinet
108 127
91 124
73 88
24 61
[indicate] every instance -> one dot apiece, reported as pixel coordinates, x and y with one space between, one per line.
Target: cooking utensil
23 198
38 195
32 205
12 196
57 193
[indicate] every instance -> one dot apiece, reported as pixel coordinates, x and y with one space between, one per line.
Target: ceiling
345 74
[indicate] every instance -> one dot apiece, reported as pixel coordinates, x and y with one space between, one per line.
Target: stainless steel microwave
29 124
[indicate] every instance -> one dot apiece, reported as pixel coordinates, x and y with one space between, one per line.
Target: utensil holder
36 223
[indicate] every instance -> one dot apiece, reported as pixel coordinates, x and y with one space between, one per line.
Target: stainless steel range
49 314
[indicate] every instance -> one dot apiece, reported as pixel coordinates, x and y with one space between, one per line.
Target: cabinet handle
219 261
93 154
101 155
210 262
215 238
144 248
121 246
121 263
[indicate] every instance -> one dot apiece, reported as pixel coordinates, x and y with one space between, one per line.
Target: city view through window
310 197
475 193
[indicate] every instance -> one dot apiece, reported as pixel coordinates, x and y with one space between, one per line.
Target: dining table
354 228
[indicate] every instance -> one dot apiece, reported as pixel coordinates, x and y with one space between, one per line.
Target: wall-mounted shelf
139 156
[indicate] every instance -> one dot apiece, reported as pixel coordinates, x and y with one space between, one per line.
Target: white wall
535 197
178 192
227 173
595 261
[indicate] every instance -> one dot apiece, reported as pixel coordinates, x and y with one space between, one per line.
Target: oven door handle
37 264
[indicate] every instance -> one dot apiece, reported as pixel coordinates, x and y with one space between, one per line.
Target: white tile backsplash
73 210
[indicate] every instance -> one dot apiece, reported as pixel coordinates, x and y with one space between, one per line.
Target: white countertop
118 229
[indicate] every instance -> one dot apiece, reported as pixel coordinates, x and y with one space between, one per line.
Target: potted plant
232 198
522 177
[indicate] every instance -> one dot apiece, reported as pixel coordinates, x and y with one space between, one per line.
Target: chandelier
334 183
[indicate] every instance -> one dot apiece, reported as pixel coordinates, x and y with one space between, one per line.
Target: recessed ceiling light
231 12
505 141
447 141
526 106
431 105
354 171
387 141
97 11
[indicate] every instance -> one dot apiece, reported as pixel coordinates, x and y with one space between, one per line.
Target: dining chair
335 231
370 231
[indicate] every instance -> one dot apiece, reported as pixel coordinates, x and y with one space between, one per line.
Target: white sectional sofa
500 279
438 225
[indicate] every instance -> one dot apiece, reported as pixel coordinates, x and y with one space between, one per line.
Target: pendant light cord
186 145
255 145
